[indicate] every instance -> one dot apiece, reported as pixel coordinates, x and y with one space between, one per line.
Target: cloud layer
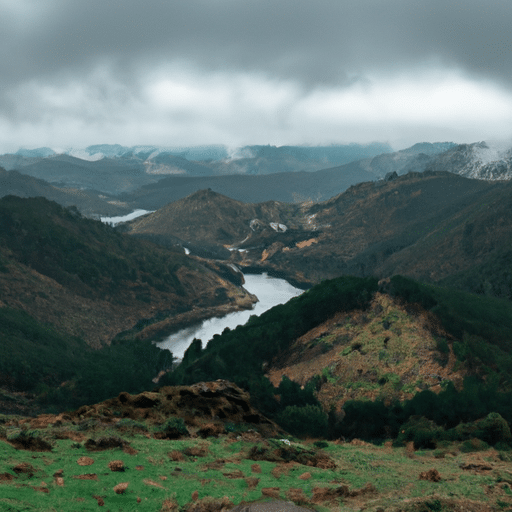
253 71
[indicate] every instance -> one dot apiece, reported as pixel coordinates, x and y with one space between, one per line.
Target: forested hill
91 281
402 330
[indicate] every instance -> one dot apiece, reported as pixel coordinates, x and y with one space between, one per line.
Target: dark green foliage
173 428
193 352
292 394
87 256
422 431
492 429
308 420
369 420
34 354
64 371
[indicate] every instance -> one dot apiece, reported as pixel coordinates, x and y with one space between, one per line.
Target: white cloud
180 105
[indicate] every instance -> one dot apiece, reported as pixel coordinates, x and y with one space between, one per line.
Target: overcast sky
235 72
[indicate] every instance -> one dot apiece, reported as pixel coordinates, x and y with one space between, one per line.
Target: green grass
393 471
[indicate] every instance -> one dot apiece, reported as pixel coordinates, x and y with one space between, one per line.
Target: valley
397 354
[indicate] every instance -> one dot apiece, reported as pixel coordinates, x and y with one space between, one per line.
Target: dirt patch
24 469
196 451
176 456
252 482
87 476
291 454
306 243
30 443
271 492
210 505
152 483
105 443
432 475
85 461
121 488
6 477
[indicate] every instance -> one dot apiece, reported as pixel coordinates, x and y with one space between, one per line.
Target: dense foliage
240 355
86 256
61 371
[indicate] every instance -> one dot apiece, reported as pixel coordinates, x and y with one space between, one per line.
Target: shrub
173 428
422 431
309 420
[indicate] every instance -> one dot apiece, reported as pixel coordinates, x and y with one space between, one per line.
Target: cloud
254 71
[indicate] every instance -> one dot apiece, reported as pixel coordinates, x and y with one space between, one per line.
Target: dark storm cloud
326 41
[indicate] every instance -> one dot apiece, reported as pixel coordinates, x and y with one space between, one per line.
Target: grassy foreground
79 474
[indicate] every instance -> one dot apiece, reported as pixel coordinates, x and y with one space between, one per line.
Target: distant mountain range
113 179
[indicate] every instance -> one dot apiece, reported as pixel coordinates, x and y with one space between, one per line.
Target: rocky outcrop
204 407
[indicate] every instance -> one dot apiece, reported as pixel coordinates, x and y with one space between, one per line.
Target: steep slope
93 282
207 217
426 225
89 202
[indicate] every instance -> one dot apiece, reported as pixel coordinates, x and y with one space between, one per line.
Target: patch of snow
489 152
280 228
187 251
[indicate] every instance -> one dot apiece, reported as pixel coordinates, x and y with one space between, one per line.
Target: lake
270 292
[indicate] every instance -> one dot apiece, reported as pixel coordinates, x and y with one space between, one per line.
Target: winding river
270 292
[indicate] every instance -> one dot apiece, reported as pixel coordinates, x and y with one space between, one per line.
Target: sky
235 72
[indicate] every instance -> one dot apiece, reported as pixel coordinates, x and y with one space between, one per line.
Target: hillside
210 219
89 202
432 226
70 284
74 272
124 455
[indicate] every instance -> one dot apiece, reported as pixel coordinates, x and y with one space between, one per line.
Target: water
270 292
124 218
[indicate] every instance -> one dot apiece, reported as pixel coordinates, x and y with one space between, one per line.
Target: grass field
189 473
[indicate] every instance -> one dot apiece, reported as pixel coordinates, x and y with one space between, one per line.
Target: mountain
430 226
89 202
292 187
91 281
38 152
481 160
206 219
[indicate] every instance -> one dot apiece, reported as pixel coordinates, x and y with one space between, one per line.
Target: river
270 292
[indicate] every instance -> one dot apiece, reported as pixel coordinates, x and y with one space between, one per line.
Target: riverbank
268 290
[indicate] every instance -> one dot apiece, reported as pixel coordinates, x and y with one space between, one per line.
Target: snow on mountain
481 160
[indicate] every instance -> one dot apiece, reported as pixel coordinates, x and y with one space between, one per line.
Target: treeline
88 257
240 355
481 334
63 372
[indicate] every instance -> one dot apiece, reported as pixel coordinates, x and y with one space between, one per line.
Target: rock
121 488
116 465
305 476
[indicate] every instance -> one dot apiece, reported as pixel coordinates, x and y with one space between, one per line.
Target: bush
492 429
173 428
422 431
309 420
